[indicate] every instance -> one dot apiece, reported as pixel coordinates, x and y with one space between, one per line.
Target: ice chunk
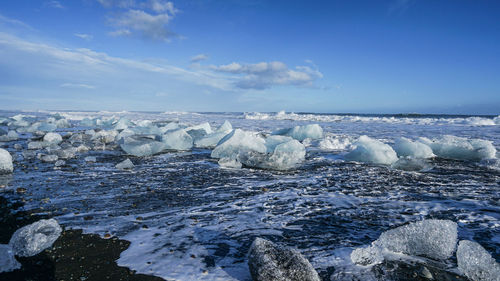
104 136
52 138
226 127
198 131
141 146
6 166
283 153
7 260
48 158
300 133
62 123
458 148
177 140
125 164
335 143
236 141
66 153
415 149
476 263
122 124
229 163
434 239
87 122
211 140
82 148
34 238
372 151
169 127
270 262
10 136
35 145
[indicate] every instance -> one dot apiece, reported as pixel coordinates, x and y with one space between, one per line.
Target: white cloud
54 4
77 85
264 75
199 58
84 36
144 24
146 19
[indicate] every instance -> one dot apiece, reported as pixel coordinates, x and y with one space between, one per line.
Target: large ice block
32 239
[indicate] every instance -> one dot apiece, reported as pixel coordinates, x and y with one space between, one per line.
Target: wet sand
74 256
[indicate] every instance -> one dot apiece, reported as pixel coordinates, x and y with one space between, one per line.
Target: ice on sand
125 164
434 239
300 133
458 148
34 238
6 166
270 262
476 263
141 146
7 260
408 148
372 151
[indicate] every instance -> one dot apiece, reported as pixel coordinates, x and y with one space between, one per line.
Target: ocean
188 218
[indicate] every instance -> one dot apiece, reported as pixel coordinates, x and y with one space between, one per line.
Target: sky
385 56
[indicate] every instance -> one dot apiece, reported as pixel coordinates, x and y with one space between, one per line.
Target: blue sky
318 56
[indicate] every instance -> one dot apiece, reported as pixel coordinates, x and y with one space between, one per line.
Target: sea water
190 219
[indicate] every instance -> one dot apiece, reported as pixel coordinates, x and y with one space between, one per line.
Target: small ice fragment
415 149
35 145
59 163
270 262
18 146
52 138
229 163
7 260
104 136
34 238
125 164
82 148
372 151
476 263
90 159
6 166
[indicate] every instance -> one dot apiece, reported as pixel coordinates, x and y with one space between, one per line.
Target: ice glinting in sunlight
476 263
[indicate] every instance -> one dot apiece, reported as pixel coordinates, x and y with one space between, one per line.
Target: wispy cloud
265 75
13 22
198 58
54 4
72 63
84 36
77 85
148 19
